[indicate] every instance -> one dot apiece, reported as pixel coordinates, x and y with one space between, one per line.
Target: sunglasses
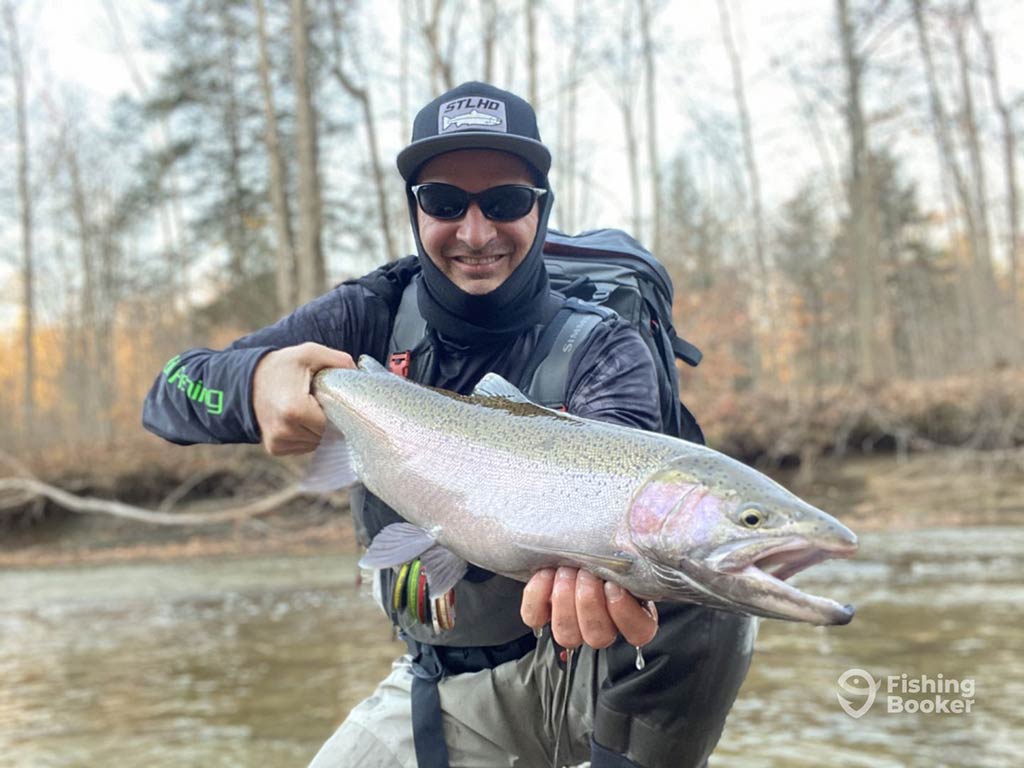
505 203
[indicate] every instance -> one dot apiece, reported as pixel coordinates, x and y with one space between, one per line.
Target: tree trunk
362 95
234 226
430 28
171 215
974 305
90 330
285 259
106 329
632 160
766 312
572 87
28 313
653 159
309 254
863 228
1009 141
749 156
986 274
531 52
489 33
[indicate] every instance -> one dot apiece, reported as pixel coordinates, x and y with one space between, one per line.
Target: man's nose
475 229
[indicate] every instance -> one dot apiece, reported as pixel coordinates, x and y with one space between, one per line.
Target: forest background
832 185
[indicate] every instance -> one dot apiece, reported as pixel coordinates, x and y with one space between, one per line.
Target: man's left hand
585 609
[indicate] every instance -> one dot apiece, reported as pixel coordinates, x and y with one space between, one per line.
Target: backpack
600 272
609 268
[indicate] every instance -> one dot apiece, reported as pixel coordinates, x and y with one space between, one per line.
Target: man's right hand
291 420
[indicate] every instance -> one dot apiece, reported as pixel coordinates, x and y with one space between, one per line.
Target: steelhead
495 480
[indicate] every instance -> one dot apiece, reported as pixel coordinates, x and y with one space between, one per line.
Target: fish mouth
754 575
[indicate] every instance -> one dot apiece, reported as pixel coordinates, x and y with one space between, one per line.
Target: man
488 690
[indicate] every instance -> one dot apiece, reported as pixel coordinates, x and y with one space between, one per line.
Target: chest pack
599 272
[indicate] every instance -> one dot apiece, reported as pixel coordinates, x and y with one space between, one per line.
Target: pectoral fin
333 465
396 544
444 569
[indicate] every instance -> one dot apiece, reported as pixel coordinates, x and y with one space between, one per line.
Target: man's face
475 253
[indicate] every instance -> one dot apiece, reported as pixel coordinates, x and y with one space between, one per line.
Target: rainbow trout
495 480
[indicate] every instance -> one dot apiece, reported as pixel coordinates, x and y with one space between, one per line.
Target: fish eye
752 517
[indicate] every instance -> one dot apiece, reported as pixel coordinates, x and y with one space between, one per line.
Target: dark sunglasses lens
506 203
442 201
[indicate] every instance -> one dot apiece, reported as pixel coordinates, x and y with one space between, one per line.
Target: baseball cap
474 116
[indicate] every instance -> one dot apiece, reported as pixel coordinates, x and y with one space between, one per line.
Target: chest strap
407 331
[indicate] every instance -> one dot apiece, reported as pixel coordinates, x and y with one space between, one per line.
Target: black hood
522 301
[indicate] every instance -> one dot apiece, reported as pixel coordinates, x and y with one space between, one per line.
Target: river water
252 662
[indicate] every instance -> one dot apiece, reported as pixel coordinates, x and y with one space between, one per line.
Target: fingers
582 608
637 626
316 357
565 627
290 419
595 623
536 606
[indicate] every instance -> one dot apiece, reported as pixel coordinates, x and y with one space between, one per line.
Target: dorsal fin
368 364
493 385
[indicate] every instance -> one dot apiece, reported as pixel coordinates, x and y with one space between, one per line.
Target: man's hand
291 420
584 609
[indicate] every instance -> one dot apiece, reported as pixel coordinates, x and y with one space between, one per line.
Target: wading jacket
654 715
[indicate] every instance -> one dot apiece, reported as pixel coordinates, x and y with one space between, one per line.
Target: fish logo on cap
472 113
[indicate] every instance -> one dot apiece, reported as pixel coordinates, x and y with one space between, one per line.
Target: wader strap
427 723
550 376
429 664
409 327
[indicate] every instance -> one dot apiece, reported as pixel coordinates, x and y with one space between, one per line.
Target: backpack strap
548 371
408 330
684 350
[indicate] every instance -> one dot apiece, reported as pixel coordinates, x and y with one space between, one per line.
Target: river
251 662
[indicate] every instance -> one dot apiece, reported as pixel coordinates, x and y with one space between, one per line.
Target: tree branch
25 488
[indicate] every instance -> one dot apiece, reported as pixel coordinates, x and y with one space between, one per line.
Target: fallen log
19 490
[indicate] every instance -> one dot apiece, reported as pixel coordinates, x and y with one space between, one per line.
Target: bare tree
19 78
1009 146
430 29
170 210
530 17
285 257
650 96
231 126
489 36
979 197
863 213
980 318
568 93
767 312
89 351
622 59
362 95
749 155
309 253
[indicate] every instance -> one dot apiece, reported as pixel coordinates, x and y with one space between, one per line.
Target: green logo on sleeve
213 399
